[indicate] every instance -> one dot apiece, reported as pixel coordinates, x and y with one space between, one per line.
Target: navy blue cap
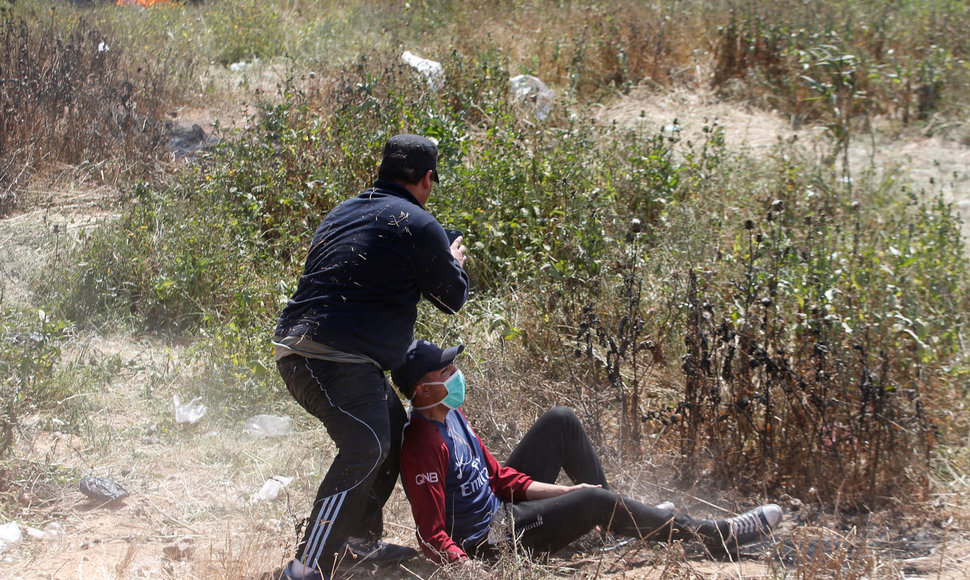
422 357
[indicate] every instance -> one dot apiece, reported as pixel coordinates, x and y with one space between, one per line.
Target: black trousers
558 441
365 419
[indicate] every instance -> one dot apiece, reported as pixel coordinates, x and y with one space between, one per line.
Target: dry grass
69 98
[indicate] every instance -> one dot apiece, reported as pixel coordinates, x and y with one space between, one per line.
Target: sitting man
465 504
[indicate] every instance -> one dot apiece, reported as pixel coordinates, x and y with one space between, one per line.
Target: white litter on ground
432 71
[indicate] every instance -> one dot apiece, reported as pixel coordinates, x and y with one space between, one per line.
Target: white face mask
455 384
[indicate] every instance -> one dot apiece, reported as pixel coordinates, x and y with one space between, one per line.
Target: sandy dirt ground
192 511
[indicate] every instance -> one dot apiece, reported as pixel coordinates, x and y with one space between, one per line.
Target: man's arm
439 270
512 485
424 464
541 490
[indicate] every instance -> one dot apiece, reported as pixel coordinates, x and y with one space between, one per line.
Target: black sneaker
375 553
746 528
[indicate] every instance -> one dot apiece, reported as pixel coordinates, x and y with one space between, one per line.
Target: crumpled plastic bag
271 489
51 532
269 425
102 489
190 412
10 536
432 71
532 95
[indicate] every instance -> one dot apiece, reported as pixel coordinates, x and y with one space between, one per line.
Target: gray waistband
287 345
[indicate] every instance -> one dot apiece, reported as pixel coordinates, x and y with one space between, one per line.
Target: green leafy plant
29 353
833 78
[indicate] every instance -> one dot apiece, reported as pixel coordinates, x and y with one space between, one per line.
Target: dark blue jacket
371 260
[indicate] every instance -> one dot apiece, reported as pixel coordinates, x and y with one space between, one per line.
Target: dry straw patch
68 97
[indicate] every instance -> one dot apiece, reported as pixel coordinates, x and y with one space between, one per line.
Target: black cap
422 357
410 152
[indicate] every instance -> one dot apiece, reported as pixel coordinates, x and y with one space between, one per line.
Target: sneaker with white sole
751 526
291 572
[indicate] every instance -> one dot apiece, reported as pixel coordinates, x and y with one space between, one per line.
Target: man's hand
469 568
540 490
458 250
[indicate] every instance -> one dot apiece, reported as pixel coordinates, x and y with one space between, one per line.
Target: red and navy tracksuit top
454 484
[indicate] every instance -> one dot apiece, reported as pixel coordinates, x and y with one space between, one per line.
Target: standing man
350 320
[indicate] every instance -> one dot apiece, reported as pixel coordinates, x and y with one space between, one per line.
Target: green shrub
243 31
30 350
814 350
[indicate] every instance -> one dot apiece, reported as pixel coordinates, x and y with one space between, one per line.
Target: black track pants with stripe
364 418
